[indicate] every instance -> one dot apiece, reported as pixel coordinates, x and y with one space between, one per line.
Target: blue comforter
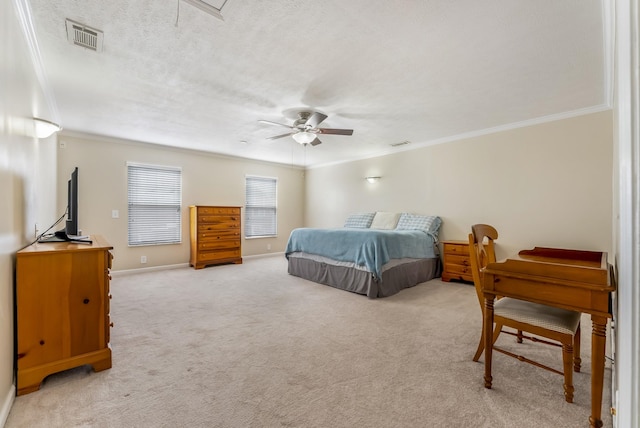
371 248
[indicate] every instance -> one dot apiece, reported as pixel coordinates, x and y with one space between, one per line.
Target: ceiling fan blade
315 119
335 131
275 123
316 142
280 136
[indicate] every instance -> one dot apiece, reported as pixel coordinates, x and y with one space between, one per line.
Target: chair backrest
481 253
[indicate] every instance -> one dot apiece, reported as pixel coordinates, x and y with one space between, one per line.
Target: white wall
543 185
206 180
27 177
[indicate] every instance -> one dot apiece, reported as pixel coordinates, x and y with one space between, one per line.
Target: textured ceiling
421 71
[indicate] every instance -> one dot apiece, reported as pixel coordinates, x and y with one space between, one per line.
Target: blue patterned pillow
360 221
428 223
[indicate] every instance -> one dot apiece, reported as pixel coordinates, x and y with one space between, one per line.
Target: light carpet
251 346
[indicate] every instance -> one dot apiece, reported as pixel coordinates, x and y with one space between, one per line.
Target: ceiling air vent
403 143
81 35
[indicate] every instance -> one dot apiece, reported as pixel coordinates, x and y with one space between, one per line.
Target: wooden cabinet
215 235
62 309
456 261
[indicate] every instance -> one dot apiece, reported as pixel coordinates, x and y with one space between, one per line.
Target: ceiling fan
305 129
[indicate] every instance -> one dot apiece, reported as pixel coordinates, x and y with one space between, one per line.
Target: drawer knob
41 342
111 324
85 301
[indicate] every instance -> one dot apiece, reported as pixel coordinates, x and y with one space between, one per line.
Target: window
260 217
155 199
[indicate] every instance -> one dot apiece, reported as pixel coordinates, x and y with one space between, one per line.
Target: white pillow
384 220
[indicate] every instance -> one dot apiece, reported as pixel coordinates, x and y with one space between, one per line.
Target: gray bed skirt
394 279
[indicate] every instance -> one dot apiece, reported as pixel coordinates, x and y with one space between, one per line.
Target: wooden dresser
62 309
456 264
215 235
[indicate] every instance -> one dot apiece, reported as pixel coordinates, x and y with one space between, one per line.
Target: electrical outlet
36 230
115 214
143 259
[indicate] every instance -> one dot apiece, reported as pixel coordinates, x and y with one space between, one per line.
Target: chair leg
567 362
519 336
577 361
480 350
496 332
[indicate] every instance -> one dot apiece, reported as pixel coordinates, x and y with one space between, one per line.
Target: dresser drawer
219 226
460 270
212 256
212 235
218 210
218 244
456 249
451 259
218 219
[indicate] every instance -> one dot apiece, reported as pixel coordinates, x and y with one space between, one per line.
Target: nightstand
456 264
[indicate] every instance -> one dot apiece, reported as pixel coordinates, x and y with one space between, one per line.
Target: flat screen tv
70 231
71 226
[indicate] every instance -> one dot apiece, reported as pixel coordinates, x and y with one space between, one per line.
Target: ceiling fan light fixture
304 137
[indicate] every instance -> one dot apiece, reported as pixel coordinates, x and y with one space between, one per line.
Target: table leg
598 340
488 338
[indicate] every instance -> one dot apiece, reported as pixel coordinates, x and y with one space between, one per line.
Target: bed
377 258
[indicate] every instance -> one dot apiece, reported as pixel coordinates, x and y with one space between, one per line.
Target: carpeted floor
251 346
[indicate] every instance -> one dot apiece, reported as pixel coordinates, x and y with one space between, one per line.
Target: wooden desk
569 279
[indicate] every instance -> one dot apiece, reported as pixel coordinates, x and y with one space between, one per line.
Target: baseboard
148 269
5 405
181 265
259 256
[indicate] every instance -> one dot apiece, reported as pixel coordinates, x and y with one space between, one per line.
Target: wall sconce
372 179
44 128
31 127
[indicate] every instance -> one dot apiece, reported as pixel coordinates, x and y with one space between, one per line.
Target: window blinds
155 199
260 207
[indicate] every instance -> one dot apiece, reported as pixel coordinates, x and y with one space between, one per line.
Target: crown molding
24 14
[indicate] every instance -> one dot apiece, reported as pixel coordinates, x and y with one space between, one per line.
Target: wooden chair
558 325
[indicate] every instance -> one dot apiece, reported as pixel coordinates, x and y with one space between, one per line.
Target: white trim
150 165
85 136
260 176
477 133
124 272
608 49
262 256
7 403
26 22
627 362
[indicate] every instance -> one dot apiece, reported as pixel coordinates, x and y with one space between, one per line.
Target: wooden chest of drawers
456 261
215 235
62 309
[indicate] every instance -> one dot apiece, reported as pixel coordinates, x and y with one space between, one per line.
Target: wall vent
86 37
403 143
